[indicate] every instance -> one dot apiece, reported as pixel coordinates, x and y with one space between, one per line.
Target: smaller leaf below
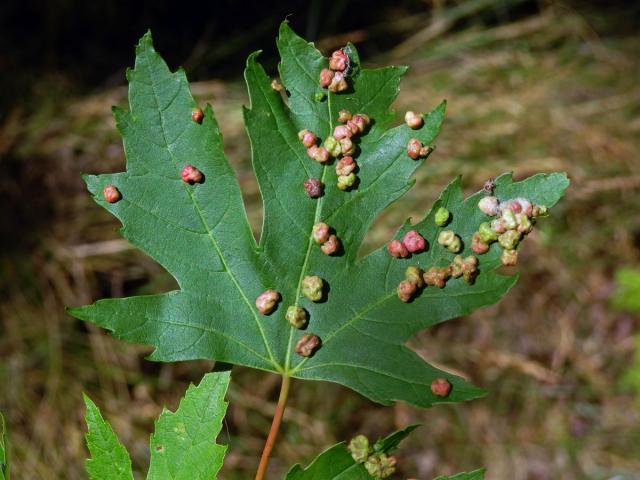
475 475
183 446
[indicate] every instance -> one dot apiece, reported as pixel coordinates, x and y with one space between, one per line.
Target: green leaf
390 444
475 475
336 462
183 445
4 457
201 235
109 459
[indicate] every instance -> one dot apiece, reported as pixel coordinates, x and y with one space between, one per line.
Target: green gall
414 274
524 223
312 288
452 242
487 234
380 465
333 146
359 448
296 316
319 96
509 240
346 181
442 217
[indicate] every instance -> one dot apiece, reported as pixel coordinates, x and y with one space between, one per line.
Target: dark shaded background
532 86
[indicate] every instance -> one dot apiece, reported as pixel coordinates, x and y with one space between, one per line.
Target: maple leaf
199 232
183 445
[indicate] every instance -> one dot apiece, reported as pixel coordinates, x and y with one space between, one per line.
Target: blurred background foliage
531 86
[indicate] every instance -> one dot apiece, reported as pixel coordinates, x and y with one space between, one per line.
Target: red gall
307 344
339 61
319 154
397 249
477 245
413 120
338 83
197 115
326 76
345 166
413 148
313 187
266 301
307 138
111 194
347 147
441 387
331 246
342 131
191 174
414 241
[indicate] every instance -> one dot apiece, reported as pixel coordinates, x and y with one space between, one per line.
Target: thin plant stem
275 426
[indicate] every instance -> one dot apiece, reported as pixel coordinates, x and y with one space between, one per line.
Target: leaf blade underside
201 235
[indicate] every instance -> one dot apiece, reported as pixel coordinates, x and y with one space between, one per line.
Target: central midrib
310 242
